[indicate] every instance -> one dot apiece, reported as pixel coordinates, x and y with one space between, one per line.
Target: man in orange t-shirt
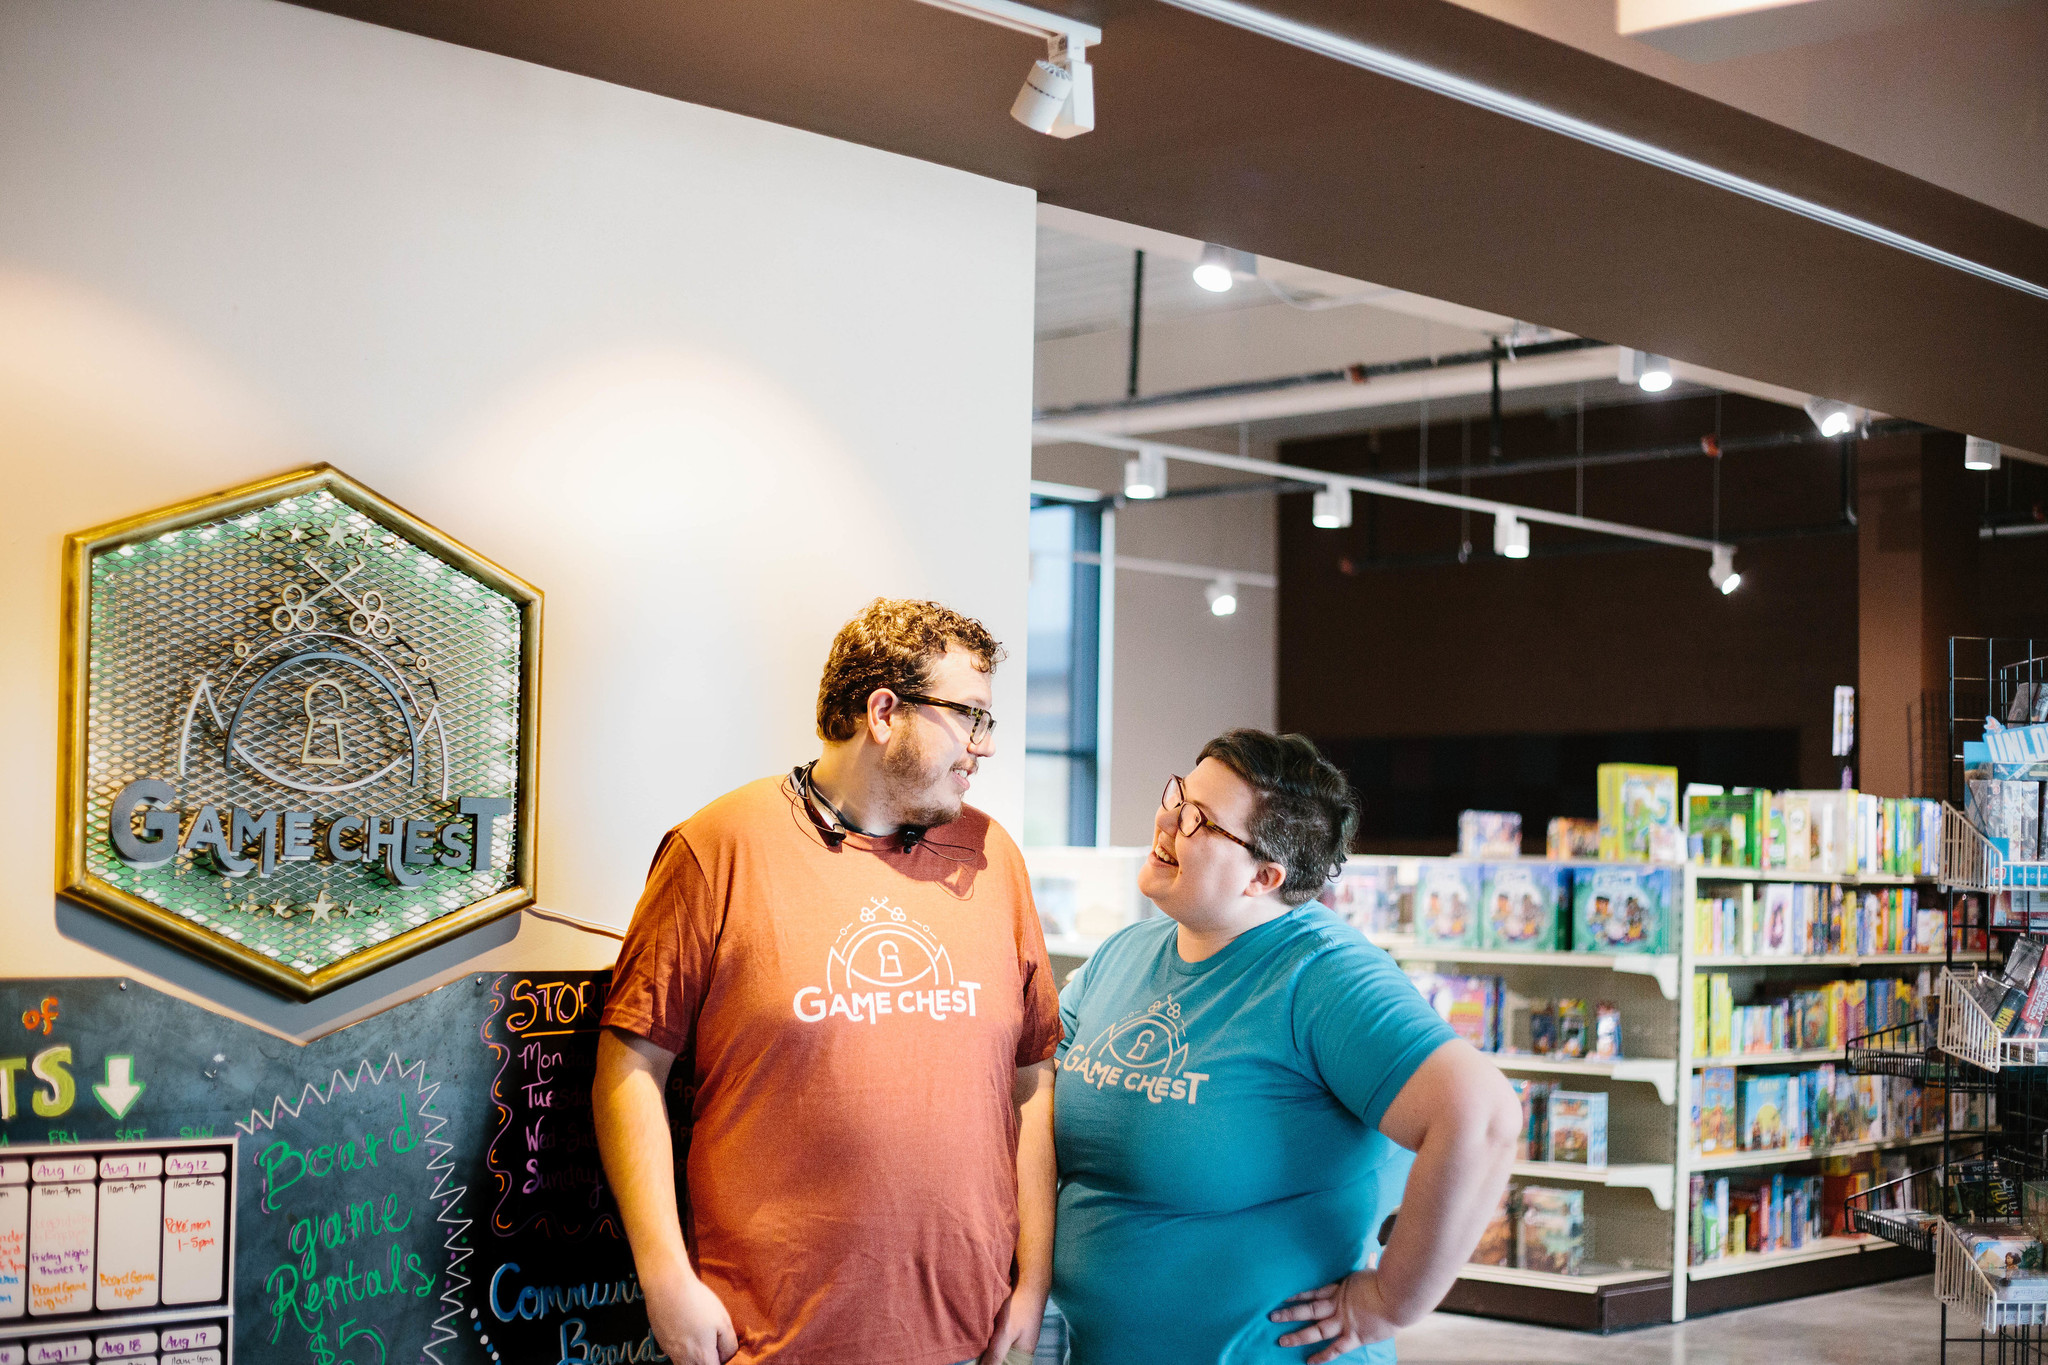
848 961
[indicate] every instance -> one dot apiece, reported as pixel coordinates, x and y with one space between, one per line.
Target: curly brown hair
893 643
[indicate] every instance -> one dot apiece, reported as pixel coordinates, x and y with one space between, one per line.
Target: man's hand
690 1324
1017 1323
1348 1314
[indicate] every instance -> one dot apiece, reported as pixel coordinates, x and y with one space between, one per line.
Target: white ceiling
1084 285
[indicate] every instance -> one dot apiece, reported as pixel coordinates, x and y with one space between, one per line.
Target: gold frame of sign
300 730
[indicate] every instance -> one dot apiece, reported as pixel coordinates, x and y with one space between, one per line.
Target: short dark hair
1306 814
893 643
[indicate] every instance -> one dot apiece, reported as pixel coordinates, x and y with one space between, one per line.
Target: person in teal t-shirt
1240 1087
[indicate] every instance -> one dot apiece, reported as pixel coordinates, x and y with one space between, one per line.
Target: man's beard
913 773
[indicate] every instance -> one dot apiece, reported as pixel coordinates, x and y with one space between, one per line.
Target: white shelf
1785 1156
1590 1283
1661 1072
1662 967
1655 1178
1785 874
1831 960
1820 1249
1778 1057
1072 945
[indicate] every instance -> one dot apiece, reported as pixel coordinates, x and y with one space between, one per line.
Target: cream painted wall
709 382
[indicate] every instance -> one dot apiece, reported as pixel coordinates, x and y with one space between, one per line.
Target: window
1063 672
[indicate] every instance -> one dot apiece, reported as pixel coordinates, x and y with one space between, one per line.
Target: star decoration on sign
297 534
281 909
336 533
349 909
322 907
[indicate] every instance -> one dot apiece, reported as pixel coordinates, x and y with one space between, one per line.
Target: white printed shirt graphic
886 963
1143 1053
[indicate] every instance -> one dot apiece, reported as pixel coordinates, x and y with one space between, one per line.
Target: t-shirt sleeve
665 962
1040 1033
1363 1026
1070 1002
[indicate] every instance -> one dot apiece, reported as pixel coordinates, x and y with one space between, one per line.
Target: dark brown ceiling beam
1215 133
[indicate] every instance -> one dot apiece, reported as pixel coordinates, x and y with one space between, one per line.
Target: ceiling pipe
1376 388
1349 374
1051 432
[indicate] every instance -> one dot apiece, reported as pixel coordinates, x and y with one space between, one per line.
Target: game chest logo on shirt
1144 1053
886 963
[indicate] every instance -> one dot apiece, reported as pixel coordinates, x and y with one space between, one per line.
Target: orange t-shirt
853 1020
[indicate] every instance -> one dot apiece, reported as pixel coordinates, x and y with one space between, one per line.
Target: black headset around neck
834 834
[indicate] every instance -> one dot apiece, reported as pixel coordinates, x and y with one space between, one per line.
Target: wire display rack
1911 1050
2003 678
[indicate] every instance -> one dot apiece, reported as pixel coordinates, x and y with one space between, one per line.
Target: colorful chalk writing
339 1205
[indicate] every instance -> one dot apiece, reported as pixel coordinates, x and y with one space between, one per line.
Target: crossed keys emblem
296 609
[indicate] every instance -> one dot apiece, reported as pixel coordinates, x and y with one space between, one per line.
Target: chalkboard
422 1186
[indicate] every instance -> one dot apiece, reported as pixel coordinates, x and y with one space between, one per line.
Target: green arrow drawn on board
118 1093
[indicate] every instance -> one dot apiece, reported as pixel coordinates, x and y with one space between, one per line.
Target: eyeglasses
984 723
1193 817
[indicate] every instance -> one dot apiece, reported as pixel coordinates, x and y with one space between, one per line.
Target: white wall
709 382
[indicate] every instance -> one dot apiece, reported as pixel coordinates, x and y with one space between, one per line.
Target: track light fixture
1219 267
1722 574
1332 509
1510 536
1650 373
1980 454
1059 91
1145 475
1222 596
1831 418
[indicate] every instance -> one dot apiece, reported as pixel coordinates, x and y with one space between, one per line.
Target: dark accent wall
1501 684
1592 650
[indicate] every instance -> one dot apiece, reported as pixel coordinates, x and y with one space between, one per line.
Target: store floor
1882 1324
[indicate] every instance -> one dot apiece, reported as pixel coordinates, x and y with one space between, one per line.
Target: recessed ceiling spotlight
1219 267
1831 418
1222 596
1145 475
1650 373
1510 536
1332 509
1722 574
1980 454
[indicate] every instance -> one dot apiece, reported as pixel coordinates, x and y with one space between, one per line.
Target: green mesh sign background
302 657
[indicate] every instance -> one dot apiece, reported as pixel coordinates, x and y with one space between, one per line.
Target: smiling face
1204 880
929 762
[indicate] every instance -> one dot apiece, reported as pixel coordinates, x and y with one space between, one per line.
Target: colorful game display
1620 909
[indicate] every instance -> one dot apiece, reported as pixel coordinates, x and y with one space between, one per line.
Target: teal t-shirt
1218 1132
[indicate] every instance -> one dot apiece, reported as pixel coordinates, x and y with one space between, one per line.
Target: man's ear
884 710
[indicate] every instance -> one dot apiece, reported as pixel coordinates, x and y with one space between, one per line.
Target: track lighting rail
1052 432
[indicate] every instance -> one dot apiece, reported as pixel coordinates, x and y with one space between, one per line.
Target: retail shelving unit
1638 1206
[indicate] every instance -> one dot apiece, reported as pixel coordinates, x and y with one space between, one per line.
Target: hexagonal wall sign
300 730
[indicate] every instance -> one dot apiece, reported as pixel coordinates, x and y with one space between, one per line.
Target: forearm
1461 1167
639 1155
1037 1190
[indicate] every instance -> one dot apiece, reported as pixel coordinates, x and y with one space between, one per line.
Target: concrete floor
1884 1324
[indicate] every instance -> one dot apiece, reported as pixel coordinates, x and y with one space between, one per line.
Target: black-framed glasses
1192 817
984 723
